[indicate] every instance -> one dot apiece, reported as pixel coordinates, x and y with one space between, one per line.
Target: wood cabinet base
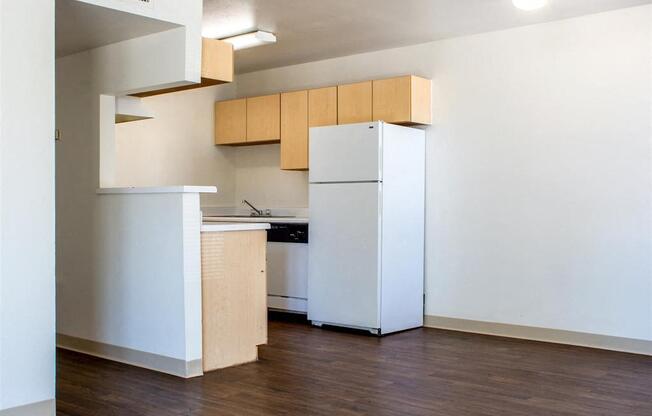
205 82
234 297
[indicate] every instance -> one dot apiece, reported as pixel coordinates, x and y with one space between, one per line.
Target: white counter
233 226
245 219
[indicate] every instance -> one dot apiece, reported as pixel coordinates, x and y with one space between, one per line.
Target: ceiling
81 26
309 30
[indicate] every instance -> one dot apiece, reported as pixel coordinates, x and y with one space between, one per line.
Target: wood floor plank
312 371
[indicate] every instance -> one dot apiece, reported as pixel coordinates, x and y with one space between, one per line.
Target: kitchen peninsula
169 293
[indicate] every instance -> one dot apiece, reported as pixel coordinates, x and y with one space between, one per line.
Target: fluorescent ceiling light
529 4
249 40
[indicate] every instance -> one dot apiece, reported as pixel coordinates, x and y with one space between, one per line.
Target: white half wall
27 314
145 290
539 160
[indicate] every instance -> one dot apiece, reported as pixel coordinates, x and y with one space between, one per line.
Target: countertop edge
158 190
246 220
240 226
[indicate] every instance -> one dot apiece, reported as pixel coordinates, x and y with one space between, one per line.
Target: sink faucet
257 212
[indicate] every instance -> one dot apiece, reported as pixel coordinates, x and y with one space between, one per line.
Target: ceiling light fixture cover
249 40
529 4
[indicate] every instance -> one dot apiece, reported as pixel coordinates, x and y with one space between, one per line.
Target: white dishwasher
287 267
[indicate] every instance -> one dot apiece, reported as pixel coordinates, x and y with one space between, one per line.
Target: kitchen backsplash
217 211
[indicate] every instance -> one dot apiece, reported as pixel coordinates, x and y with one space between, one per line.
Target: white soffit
82 26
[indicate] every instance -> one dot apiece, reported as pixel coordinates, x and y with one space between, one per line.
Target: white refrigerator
366 250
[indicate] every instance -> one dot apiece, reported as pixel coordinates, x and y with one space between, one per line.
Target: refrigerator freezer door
344 254
346 153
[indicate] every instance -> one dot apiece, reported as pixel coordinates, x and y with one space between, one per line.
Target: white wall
539 198
259 179
538 169
176 147
27 350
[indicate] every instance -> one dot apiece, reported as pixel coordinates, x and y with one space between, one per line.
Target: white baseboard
558 336
169 365
44 408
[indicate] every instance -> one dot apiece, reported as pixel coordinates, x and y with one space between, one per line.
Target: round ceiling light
529 4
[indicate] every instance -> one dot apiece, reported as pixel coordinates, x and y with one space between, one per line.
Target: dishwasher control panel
288 233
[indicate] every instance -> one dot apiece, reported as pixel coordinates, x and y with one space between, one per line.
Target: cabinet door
216 62
264 118
234 297
354 103
402 100
322 107
421 100
391 100
294 130
231 122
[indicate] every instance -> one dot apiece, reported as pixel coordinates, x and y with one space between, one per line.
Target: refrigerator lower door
344 254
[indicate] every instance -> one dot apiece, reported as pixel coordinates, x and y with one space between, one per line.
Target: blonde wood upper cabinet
216 62
294 130
288 117
402 100
264 118
322 107
231 121
354 103
216 67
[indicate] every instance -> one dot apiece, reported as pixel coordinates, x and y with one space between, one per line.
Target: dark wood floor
310 371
